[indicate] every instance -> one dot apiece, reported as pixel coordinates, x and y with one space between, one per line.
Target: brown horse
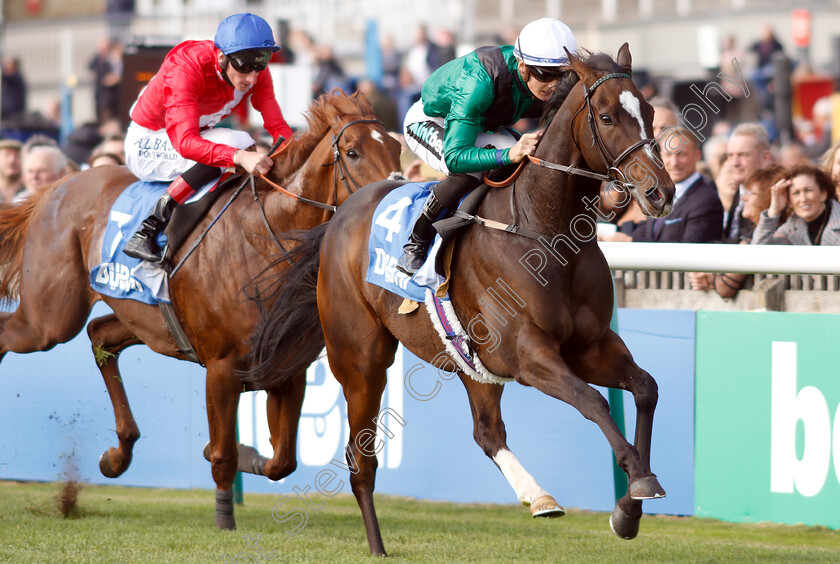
64 227
550 322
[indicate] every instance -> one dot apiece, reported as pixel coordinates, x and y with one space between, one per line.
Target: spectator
106 67
714 153
328 73
43 165
442 50
13 98
830 163
815 213
113 144
37 140
756 200
100 158
697 215
747 151
765 49
81 142
383 106
10 170
391 62
727 187
792 154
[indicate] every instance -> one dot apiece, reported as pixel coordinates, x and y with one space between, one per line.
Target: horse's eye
352 154
606 119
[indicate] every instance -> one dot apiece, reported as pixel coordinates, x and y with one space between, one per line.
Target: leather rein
340 171
612 163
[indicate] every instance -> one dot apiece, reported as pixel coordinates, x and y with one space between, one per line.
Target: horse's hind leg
360 367
489 433
608 363
41 322
108 338
222 402
283 410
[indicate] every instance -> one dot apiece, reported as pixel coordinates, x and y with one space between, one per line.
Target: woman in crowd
756 199
815 213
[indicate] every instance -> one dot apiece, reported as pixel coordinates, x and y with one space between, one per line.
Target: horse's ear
624 60
578 66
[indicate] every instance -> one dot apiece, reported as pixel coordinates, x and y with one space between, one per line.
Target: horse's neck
549 200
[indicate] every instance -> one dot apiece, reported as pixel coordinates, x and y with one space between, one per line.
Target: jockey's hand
253 162
525 146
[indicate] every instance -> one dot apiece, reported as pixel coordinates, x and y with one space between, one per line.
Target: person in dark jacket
697 216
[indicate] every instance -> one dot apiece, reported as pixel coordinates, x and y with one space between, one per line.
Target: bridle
612 163
341 170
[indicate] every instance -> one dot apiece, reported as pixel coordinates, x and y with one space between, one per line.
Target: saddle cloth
119 276
390 228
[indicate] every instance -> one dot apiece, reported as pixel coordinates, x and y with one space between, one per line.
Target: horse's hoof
646 488
623 526
207 451
546 506
107 468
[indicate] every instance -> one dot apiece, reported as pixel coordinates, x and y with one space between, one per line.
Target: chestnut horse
65 226
555 336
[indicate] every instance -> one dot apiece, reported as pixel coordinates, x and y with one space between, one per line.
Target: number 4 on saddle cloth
392 223
121 276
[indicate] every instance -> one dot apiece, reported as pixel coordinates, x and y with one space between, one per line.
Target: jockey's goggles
548 74
250 61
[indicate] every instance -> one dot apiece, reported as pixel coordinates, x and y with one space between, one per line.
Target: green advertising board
767 405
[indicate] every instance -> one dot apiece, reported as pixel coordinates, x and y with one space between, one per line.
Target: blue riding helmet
241 32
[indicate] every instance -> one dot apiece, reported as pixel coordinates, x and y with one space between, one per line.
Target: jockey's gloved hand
253 162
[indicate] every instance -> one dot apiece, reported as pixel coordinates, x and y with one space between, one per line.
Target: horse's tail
14 223
289 337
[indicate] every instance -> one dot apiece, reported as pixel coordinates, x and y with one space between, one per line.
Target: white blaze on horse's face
377 136
633 107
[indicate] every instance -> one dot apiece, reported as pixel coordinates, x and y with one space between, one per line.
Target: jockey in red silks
172 135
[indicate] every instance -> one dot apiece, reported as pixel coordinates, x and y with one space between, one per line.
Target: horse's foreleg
222 402
608 363
283 410
489 433
108 338
543 368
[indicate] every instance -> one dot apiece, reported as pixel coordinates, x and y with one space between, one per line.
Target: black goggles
250 63
547 74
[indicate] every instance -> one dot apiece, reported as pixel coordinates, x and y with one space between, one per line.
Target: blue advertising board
54 408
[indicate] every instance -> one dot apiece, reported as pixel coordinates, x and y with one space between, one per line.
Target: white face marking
630 103
378 136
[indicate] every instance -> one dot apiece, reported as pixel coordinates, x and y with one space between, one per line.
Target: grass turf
116 524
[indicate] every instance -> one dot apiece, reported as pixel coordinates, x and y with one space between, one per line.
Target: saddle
448 227
186 217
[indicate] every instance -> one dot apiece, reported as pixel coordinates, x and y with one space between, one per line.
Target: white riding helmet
541 43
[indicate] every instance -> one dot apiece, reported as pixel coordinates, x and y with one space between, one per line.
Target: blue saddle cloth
392 222
118 275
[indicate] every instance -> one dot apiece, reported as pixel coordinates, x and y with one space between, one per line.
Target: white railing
750 259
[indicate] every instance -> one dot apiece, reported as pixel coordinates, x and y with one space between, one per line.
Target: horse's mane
596 61
14 223
320 114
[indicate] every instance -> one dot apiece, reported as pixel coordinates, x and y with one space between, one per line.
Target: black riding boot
143 245
414 252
